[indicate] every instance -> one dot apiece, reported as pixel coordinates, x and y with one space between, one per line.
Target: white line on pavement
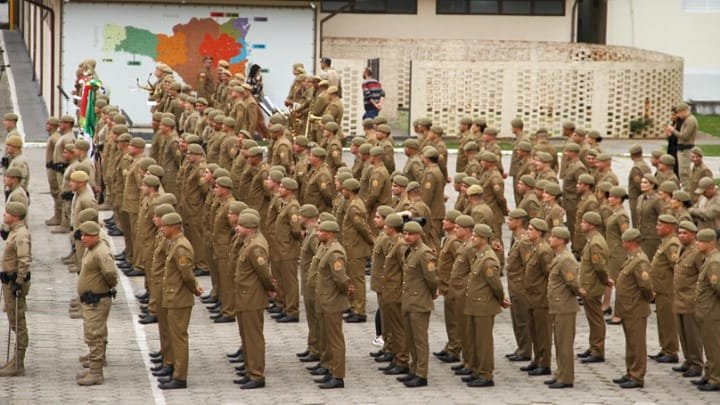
11 83
140 336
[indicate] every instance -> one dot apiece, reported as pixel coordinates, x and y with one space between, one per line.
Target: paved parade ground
56 341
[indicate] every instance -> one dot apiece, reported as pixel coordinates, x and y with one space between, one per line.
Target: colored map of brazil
184 49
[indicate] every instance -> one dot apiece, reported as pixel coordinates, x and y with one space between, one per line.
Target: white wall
662 25
427 24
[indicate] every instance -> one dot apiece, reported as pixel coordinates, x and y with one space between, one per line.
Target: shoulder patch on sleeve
570 276
337 265
428 185
645 275
713 279
184 261
431 266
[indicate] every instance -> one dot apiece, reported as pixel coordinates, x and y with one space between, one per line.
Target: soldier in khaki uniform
685 277
707 309
51 127
288 238
155 288
221 235
358 239
552 212
665 170
529 201
537 269
588 203
309 220
649 208
662 267
449 247
335 105
465 136
484 299
524 166
562 290
333 146
518 254
571 176
131 196
632 305
383 140
390 299
319 189
333 286
615 226
193 198
604 170
98 277
205 80
82 199
637 171
686 141
413 168
60 162
433 188
418 292
593 282
707 210
178 290
699 170
146 234
253 284
543 145
15 276
543 170
379 192
494 191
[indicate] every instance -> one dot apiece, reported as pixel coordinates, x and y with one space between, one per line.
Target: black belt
685 147
90 297
6 278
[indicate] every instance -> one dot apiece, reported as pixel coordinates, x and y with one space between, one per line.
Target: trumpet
149 88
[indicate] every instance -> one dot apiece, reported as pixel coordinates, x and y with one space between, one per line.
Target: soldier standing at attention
706 212
205 80
562 289
632 305
570 179
309 221
661 273
332 290
638 170
98 277
707 309
358 240
15 276
253 284
419 290
288 238
433 188
221 238
685 277
484 299
537 269
615 225
51 127
449 247
517 222
178 290
593 281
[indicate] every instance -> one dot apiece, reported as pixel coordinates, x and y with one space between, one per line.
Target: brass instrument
149 88
310 118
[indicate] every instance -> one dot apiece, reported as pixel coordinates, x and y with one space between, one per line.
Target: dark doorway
591 21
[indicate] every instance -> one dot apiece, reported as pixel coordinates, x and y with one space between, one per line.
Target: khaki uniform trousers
124 224
178 321
710 332
394 333
225 286
667 328
481 347
452 311
55 192
541 336
133 216
66 209
520 316
596 323
335 340
633 202
253 342
690 341
416 341
212 267
635 330
289 286
79 250
325 357
95 318
194 232
684 168
275 271
564 335
21 332
356 272
570 207
312 321
164 332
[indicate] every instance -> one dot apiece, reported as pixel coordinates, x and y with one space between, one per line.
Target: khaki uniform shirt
685 279
252 274
97 271
179 283
419 279
484 292
331 289
634 289
537 269
17 253
707 301
319 188
562 287
663 265
593 265
357 238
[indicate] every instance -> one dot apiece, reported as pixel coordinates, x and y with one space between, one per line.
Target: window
372 6
701 6
506 7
